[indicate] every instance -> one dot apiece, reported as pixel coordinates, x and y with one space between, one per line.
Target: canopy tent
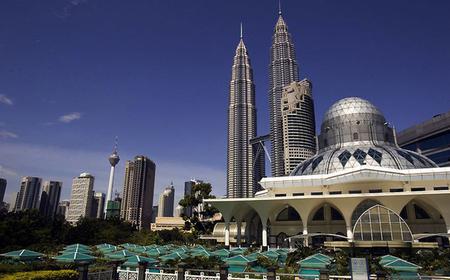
201 253
74 258
317 261
155 252
173 256
23 255
271 255
77 245
122 254
77 250
237 251
401 268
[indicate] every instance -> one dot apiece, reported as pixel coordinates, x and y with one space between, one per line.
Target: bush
43 275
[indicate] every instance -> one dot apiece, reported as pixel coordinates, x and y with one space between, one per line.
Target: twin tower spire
245 165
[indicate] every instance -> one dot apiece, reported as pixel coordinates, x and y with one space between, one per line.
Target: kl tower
113 160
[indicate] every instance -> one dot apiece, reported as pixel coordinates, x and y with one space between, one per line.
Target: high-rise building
241 181
166 200
154 213
283 71
51 192
81 197
28 196
298 124
138 191
430 138
98 205
3 184
63 208
113 161
178 211
113 207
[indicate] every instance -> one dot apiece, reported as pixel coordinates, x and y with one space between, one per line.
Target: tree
199 193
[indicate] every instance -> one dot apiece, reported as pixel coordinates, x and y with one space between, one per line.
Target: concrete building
138 191
63 208
98 205
28 196
299 128
430 138
113 207
3 184
81 197
242 166
188 185
359 190
179 210
51 193
283 71
166 201
167 223
154 213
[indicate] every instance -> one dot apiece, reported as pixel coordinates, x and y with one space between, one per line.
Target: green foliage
266 262
199 193
200 262
342 265
43 275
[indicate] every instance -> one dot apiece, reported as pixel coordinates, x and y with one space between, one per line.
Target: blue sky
76 73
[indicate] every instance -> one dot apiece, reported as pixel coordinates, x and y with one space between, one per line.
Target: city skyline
375 45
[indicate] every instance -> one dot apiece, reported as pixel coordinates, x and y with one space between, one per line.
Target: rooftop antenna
241 30
279 7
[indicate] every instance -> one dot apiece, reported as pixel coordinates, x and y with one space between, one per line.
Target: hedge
43 275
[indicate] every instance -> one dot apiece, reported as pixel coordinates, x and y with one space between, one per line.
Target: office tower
63 208
3 183
298 124
51 192
113 161
430 138
178 211
98 204
81 197
166 200
154 213
28 196
138 191
188 188
113 206
241 181
283 71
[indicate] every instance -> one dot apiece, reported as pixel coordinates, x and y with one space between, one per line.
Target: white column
110 188
305 232
349 233
238 238
264 234
227 233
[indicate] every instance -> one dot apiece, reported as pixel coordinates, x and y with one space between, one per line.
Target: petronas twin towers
245 167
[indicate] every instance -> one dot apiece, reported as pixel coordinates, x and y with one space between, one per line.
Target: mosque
359 190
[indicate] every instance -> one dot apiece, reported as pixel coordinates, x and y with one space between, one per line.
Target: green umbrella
77 245
74 258
104 245
237 251
401 265
239 260
387 259
201 253
122 254
272 255
314 261
222 253
154 252
23 255
254 256
107 250
133 261
76 250
173 256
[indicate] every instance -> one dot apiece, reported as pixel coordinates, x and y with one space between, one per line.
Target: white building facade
360 190
81 197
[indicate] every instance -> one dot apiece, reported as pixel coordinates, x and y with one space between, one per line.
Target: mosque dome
355 133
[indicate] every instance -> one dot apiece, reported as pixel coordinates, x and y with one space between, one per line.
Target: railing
100 275
201 276
161 275
126 274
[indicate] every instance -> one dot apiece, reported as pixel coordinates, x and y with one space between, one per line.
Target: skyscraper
188 186
3 183
28 196
51 193
98 205
81 197
113 161
63 208
298 124
138 191
241 181
283 71
166 200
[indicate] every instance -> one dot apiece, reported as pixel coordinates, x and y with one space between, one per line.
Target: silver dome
355 133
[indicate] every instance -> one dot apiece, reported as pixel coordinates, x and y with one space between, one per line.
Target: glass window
406 156
288 214
360 156
336 215
319 215
316 162
420 213
379 223
344 157
376 155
